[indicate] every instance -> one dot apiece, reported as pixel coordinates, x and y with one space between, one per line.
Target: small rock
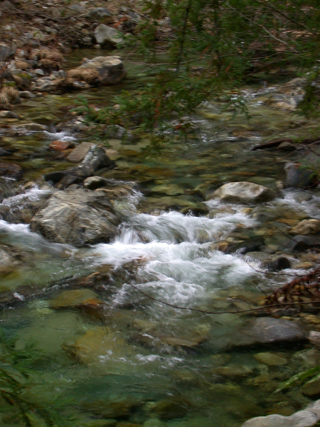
61 145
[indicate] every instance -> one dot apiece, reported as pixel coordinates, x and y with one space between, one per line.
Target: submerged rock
100 344
243 192
77 217
73 298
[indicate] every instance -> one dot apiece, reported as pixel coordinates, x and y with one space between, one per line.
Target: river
131 358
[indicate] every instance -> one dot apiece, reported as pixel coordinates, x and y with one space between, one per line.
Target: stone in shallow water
72 298
267 330
99 345
270 359
243 192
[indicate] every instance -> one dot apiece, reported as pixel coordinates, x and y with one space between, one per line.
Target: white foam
61 136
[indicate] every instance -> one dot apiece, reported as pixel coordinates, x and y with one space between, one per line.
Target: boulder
107 36
299 177
78 217
267 330
243 192
109 68
305 418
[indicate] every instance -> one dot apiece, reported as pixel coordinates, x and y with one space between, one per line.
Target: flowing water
141 360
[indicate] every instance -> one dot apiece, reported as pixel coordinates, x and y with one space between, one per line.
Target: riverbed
124 329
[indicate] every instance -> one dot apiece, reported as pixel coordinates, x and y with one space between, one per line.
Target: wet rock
303 243
10 170
97 345
94 182
267 330
94 159
307 226
243 192
277 263
270 359
80 152
61 145
305 418
298 177
109 68
78 217
72 298
107 36
23 207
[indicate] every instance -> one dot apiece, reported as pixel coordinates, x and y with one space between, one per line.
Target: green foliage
19 404
300 378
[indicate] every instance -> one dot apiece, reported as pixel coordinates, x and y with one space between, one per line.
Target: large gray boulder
109 68
107 36
78 217
267 330
308 417
243 192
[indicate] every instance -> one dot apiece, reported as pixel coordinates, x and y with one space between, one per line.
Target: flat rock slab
80 152
267 330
